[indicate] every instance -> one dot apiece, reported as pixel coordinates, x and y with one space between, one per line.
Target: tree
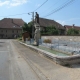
25 27
73 31
30 25
51 30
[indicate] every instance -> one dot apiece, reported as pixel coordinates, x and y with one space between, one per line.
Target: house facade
47 22
10 28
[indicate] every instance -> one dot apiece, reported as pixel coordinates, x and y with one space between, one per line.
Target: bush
47 41
20 38
28 38
73 31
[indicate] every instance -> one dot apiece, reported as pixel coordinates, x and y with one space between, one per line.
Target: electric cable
40 6
14 15
58 9
51 6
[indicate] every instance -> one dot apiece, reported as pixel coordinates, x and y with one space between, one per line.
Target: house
10 28
67 27
47 22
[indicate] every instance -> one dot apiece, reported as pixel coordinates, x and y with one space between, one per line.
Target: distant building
47 22
10 28
67 27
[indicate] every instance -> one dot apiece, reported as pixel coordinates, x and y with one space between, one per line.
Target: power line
26 13
14 15
51 6
59 6
58 9
63 6
40 6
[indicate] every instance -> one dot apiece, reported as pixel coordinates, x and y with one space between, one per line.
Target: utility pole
32 25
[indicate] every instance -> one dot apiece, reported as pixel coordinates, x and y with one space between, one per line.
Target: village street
12 65
17 62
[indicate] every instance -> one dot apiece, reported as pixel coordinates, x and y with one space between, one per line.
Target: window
14 26
2 31
6 31
12 31
12 35
17 31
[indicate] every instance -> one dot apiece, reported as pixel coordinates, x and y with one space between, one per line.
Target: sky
57 10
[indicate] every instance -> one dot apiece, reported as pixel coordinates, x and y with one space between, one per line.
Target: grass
53 51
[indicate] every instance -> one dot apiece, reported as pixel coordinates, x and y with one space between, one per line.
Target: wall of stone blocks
66 38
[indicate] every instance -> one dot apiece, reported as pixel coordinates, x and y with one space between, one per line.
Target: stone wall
68 59
68 38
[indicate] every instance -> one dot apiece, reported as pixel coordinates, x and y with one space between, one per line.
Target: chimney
73 25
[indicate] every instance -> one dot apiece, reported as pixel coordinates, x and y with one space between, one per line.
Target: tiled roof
69 27
19 22
47 22
11 23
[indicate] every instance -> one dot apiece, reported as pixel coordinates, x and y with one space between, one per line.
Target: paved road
17 62
12 65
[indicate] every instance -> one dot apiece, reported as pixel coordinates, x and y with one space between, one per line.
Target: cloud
61 22
13 3
71 20
18 2
37 5
4 3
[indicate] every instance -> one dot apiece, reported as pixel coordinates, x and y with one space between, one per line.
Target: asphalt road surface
17 62
12 65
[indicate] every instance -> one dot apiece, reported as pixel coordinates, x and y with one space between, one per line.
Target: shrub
28 39
47 41
20 38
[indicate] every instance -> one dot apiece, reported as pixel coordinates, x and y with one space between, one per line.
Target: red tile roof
11 23
69 27
19 22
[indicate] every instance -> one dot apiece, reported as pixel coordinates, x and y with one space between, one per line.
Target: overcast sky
51 10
